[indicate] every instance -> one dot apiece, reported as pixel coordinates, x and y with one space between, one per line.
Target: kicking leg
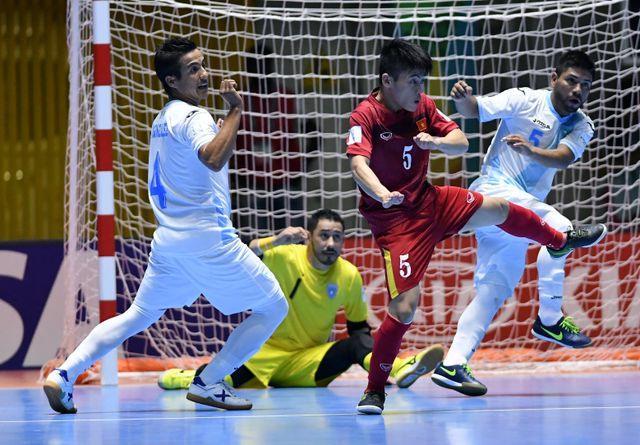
517 221
522 222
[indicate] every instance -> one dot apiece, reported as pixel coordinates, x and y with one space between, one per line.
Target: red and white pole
104 177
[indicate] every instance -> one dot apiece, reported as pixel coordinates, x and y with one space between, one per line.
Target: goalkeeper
317 283
541 131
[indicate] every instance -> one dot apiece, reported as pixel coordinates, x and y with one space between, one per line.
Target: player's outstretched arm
290 235
219 150
466 103
560 157
371 185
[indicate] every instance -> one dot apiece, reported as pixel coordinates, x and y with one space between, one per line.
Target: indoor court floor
567 409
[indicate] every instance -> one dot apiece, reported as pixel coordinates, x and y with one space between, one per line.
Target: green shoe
176 378
418 365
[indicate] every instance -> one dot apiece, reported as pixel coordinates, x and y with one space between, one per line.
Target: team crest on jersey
355 135
470 198
386 136
422 124
332 290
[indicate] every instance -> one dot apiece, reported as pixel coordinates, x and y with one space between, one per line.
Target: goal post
301 67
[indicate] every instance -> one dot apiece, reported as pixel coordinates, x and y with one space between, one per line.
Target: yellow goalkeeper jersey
314 297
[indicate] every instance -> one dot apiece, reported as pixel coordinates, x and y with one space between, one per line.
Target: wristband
266 243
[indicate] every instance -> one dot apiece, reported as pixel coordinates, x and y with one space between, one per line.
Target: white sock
106 336
550 287
246 339
474 322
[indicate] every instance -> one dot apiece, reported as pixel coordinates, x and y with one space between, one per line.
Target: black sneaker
564 332
581 236
459 378
372 402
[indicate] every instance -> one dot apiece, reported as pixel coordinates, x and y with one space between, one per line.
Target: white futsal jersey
530 114
191 202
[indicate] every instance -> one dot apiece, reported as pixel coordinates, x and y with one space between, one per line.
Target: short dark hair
575 59
400 55
323 214
167 59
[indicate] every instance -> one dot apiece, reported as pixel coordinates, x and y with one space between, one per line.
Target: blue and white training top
191 202
529 113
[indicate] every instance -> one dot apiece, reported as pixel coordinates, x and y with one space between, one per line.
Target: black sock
342 355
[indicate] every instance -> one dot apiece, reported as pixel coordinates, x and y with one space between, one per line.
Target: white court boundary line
74 418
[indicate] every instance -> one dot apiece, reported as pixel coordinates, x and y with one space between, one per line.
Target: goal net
302 66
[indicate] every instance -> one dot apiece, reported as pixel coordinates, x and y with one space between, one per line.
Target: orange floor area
29 378
19 379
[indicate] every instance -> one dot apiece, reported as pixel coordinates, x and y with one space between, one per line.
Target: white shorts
501 257
231 277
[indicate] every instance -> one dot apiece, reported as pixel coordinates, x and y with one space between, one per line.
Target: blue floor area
541 409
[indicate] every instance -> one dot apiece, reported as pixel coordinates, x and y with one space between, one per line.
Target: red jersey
386 138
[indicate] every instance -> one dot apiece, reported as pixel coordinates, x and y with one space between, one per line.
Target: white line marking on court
76 418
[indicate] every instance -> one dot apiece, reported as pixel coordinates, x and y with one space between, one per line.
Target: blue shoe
459 378
59 392
564 332
372 402
581 236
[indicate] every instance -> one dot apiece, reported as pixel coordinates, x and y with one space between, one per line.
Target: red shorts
407 247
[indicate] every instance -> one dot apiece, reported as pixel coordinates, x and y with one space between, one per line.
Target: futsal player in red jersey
391 135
